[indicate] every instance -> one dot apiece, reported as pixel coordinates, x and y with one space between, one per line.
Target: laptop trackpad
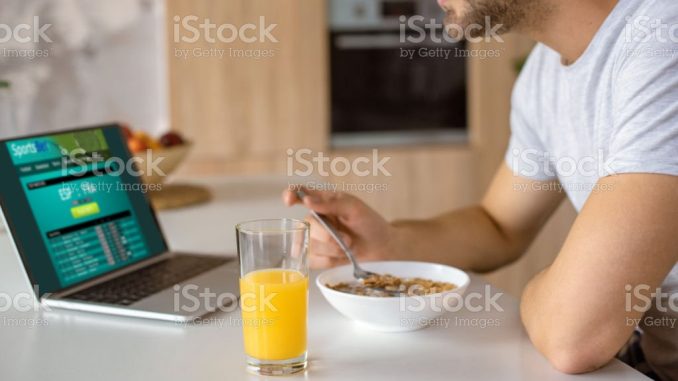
215 290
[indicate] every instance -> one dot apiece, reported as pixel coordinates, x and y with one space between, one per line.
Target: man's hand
576 311
367 233
480 238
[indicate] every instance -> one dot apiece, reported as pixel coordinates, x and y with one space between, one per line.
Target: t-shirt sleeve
645 129
526 155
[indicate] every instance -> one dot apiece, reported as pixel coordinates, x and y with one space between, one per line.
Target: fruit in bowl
407 311
167 152
171 139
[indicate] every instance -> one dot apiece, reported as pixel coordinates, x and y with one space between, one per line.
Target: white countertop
81 346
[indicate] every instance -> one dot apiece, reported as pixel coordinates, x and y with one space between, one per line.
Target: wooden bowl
168 160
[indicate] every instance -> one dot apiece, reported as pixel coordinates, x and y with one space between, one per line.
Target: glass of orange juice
274 294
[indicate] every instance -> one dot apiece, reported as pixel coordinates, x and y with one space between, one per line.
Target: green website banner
53 147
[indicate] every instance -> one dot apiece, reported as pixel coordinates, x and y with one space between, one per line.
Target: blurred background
274 77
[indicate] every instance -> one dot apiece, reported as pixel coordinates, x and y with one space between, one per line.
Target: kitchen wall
244 114
92 46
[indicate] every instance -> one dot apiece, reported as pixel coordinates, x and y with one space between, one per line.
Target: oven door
382 85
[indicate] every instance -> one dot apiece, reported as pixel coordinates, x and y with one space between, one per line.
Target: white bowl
400 313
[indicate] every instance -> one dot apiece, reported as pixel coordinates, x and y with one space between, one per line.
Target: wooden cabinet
244 112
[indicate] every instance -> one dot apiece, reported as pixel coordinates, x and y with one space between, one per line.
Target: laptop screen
75 209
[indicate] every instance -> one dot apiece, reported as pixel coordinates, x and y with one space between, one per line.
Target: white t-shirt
613 111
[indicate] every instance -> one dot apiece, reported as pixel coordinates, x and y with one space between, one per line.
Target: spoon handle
322 219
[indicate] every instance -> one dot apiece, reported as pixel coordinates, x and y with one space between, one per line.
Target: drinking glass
274 294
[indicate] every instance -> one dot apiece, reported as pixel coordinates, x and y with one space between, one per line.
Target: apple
153 143
126 131
136 145
148 141
171 139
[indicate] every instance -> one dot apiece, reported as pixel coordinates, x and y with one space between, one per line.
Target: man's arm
575 311
489 235
480 238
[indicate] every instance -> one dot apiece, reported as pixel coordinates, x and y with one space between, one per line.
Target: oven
393 78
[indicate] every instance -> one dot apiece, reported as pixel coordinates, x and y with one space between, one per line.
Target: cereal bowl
397 313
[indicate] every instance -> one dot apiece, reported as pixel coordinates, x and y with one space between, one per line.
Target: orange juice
274 304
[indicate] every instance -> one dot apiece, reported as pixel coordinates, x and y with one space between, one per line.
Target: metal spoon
358 272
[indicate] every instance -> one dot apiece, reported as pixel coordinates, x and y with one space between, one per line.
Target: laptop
88 238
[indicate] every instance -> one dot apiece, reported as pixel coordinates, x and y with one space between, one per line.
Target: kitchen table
65 345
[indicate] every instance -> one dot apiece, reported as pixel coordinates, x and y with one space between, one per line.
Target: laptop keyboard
139 284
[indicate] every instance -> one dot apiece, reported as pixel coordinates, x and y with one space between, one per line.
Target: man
594 113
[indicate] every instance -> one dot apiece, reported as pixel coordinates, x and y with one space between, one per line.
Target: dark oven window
377 88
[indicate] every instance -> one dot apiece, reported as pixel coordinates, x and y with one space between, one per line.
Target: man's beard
501 16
